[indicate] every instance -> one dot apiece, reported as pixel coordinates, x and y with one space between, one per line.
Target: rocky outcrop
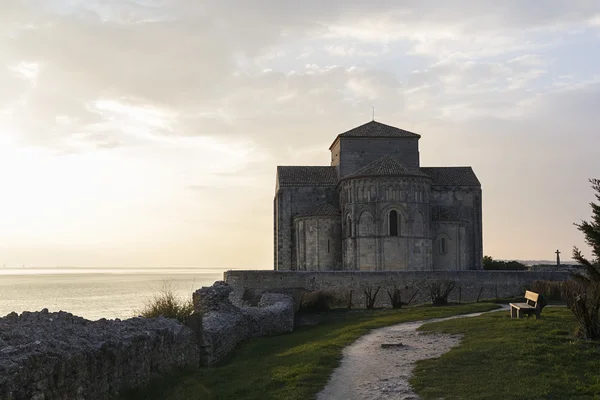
47 355
224 325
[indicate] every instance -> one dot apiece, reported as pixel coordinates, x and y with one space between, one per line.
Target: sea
96 293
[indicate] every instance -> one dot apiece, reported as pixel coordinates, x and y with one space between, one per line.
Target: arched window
443 246
393 223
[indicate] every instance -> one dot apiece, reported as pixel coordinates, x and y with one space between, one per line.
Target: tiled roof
377 129
321 210
306 175
387 166
452 176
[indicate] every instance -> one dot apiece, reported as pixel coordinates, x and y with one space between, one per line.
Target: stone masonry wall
224 325
48 356
357 152
290 201
456 216
319 245
367 203
345 286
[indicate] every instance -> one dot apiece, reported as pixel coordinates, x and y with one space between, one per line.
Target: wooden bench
533 305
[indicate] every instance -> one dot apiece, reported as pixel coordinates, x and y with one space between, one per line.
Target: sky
147 133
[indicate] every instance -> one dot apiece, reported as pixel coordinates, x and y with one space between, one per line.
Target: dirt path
370 371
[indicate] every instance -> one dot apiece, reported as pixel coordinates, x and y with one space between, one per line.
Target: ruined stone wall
340 285
47 355
225 325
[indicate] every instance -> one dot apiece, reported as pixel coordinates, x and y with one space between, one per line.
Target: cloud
204 98
184 59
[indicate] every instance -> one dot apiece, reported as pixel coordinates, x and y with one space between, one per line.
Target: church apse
375 208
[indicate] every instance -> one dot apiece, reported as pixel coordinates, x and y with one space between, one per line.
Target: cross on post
558 257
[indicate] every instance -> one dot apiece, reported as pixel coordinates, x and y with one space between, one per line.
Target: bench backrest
531 298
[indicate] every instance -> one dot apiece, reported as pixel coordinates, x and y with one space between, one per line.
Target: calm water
94 293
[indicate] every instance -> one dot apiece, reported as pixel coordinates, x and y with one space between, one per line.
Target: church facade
375 208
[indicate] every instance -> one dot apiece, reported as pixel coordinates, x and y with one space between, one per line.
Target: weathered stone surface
47 355
394 214
212 298
344 287
225 326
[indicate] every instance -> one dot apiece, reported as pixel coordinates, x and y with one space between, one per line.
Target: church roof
377 129
387 166
321 210
452 176
306 175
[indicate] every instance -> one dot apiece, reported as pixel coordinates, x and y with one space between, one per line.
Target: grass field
505 359
291 366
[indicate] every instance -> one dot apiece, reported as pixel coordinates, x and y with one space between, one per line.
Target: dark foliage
439 292
584 302
494 265
583 293
316 301
551 290
395 295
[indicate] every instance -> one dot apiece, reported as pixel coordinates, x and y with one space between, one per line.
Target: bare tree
370 296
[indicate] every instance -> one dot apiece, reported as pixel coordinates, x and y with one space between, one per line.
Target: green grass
291 366
500 358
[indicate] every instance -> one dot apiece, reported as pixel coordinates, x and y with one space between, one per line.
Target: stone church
376 208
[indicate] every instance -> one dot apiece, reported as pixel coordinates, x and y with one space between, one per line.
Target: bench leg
513 312
518 313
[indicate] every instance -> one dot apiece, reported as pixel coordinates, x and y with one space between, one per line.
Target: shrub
439 292
395 296
315 301
583 293
584 302
551 290
165 303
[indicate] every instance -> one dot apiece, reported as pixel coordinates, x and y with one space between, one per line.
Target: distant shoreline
31 271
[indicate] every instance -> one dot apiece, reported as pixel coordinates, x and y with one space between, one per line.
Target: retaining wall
347 287
224 325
